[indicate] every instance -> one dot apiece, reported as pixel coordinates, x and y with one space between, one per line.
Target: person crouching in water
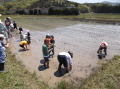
46 51
24 44
103 46
65 59
2 52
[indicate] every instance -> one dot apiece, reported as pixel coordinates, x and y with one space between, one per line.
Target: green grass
107 77
113 18
18 77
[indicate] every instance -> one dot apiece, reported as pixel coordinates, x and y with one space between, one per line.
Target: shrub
65 11
31 12
35 11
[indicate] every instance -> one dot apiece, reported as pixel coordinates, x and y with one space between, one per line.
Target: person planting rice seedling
24 44
65 59
103 46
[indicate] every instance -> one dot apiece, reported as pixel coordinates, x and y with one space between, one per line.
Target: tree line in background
103 8
30 12
82 8
51 11
64 11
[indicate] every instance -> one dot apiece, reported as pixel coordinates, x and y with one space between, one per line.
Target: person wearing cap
24 44
2 52
46 51
65 58
103 46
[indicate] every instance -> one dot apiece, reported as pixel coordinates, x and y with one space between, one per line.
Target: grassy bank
111 18
17 77
107 77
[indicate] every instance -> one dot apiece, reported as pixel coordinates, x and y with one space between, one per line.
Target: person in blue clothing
2 52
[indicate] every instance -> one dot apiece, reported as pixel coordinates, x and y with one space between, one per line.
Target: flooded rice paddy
82 39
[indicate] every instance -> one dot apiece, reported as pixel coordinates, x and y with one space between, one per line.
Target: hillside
30 4
4 1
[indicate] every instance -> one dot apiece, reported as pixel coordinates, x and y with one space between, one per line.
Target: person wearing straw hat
65 58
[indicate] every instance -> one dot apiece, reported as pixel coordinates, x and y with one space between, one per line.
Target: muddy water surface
82 39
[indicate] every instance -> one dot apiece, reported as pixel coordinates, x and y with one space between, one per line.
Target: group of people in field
48 48
63 57
10 26
6 30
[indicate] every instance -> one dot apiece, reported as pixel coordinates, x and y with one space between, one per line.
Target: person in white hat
2 37
2 52
103 46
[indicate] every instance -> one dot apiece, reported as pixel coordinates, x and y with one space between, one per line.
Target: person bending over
24 44
65 59
103 46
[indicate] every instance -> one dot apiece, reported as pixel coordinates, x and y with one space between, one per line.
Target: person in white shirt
65 58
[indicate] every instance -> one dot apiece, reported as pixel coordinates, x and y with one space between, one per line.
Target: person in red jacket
103 46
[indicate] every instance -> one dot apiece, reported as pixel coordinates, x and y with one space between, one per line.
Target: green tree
2 9
84 8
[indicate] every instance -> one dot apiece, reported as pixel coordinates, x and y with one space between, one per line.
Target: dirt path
82 39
